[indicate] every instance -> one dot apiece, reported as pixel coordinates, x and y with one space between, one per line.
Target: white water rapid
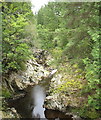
38 95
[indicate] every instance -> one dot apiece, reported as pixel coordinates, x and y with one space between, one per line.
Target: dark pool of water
24 107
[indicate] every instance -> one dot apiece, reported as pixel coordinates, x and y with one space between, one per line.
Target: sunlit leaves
15 51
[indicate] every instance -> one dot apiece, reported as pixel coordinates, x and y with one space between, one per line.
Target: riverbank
62 87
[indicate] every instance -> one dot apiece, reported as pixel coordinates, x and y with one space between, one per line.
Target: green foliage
16 48
70 32
93 72
5 92
56 53
86 112
46 36
69 84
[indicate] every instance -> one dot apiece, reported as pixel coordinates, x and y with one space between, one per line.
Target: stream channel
31 105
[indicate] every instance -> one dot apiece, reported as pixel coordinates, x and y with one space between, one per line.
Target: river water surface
31 106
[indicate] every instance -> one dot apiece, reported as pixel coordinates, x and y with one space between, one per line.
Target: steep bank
17 84
62 85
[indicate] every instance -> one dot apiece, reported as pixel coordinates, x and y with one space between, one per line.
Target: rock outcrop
37 71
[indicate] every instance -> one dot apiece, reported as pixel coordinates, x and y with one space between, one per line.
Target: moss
89 113
6 93
85 112
75 66
93 114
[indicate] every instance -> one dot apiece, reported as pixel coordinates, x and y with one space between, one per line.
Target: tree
70 30
16 49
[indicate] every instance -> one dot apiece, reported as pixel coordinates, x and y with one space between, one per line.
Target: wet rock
75 117
14 112
9 113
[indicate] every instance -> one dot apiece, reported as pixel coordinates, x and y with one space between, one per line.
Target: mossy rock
93 114
89 113
5 92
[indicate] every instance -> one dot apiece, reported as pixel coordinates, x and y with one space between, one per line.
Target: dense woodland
68 31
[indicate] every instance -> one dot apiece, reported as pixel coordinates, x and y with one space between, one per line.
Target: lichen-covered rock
64 89
31 76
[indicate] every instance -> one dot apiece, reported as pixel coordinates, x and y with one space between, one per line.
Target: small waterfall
38 95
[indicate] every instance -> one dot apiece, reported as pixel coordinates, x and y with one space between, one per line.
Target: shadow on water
25 107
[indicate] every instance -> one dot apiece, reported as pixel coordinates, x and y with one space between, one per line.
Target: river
31 105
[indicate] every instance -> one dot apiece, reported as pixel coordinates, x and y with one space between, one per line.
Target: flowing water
31 106
38 95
